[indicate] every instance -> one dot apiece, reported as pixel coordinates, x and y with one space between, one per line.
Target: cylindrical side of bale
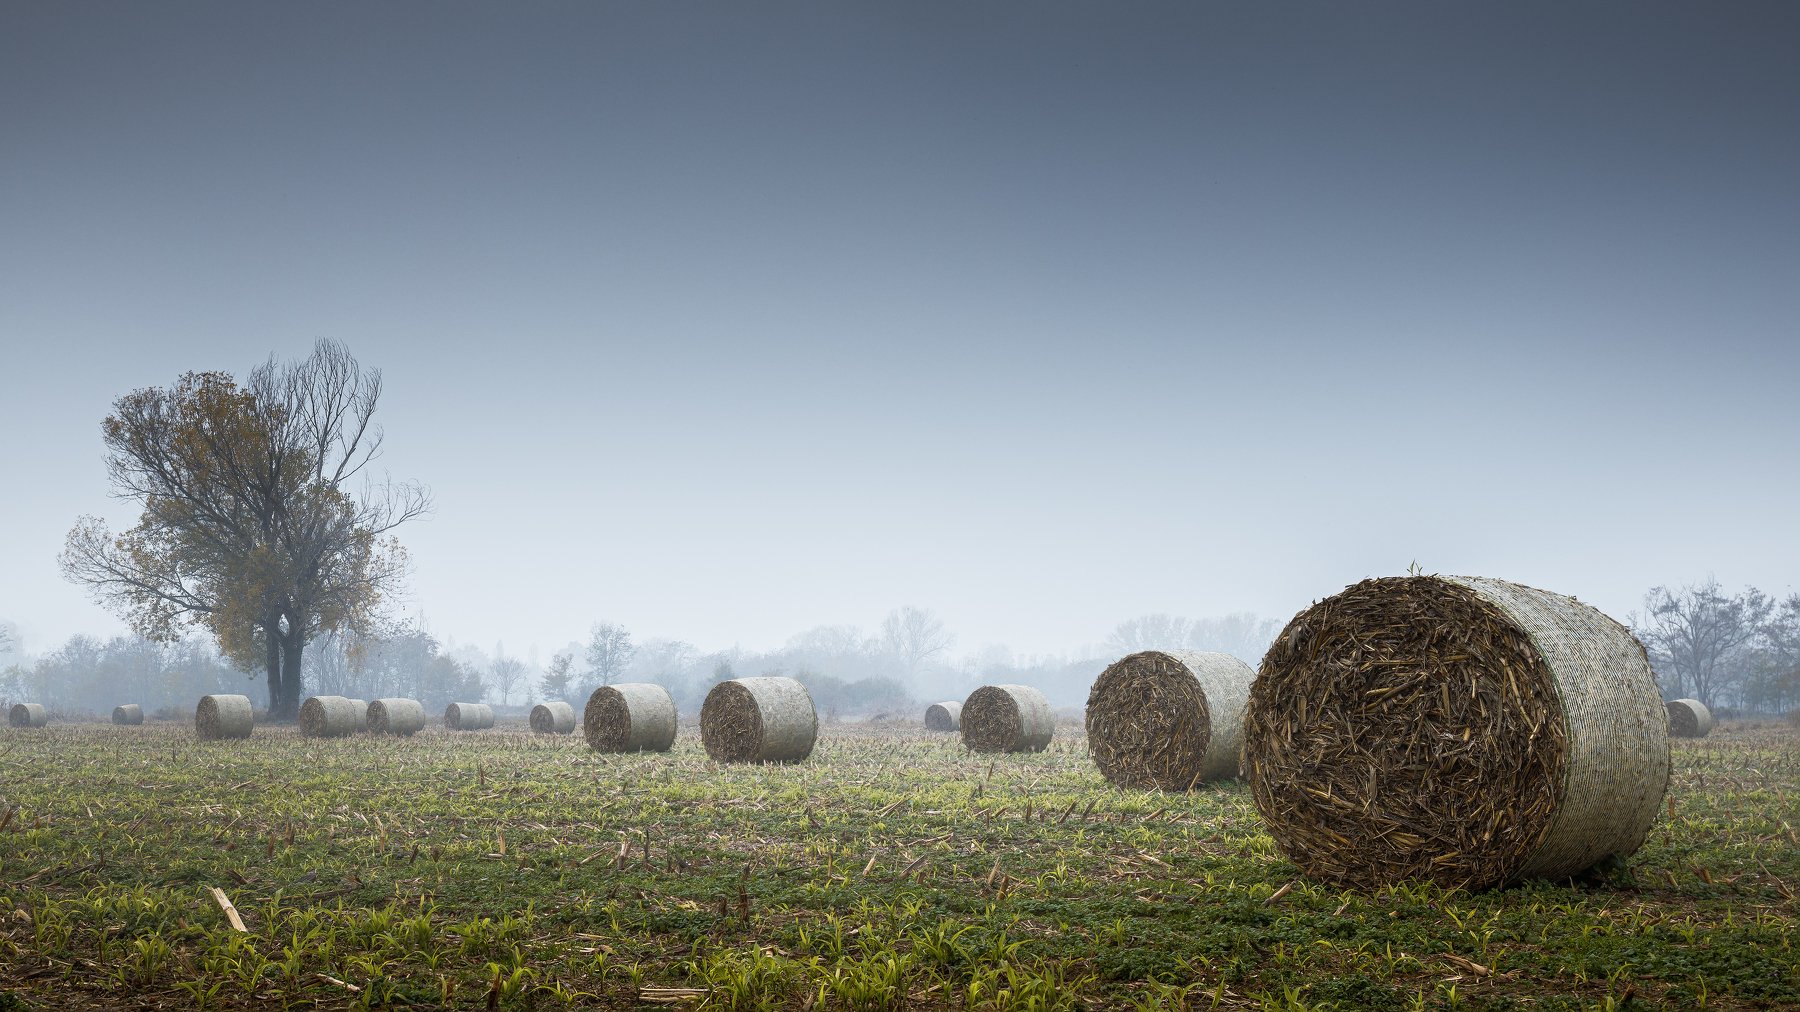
944 716
396 716
220 716
1464 730
331 716
128 713
759 720
468 716
28 715
628 717
1689 718
1007 718
1168 719
555 718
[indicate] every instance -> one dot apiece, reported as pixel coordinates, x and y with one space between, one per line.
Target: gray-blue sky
724 320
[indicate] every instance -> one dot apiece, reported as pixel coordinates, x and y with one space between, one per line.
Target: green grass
892 870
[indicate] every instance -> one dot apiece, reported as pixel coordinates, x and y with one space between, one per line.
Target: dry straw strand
555 717
629 717
759 720
220 717
1007 718
129 714
331 716
398 716
1167 720
1689 718
944 716
1464 730
27 715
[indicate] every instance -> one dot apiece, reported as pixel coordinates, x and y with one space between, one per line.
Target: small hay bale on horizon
555 717
27 715
944 716
220 717
629 717
128 714
1689 718
468 717
396 716
1462 730
331 716
1007 718
759 720
1168 719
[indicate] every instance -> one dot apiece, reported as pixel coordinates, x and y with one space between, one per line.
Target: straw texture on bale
331 716
748 720
944 716
629 717
553 718
396 716
28 715
1166 720
128 713
468 716
1464 730
1007 718
1689 718
219 717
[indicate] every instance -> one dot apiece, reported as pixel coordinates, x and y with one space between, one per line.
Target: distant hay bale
1166 720
403 717
629 717
1689 718
27 715
331 716
556 718
128 713
1007 718
944 716
468 716
219 717
748 720
1464 730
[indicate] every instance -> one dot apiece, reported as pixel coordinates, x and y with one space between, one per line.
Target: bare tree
1149 632
609 649
1241 634
508 674
914 636
1698 637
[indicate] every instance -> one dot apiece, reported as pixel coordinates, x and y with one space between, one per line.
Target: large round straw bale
27 715
468 716
1168 719
128 713
1689 718
628 717
759 720
1007 718
221 716
944 716
1464 730
331 716
396 716
555 718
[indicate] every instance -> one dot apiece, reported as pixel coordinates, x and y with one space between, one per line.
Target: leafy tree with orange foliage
247 530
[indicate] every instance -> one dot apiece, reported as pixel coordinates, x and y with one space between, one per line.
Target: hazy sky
724 320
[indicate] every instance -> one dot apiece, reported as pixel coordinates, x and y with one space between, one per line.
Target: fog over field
760 332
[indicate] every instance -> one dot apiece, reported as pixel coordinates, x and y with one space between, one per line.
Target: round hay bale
628 717
944 716
219 717
559 718
1007 718
404 717
468 716
27 715
331 716
1166 720
1689 718
1464 730
128 713
762 720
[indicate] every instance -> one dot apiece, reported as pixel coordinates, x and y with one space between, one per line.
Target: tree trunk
272 637
292 646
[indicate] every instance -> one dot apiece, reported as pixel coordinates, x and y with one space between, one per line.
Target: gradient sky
725 320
